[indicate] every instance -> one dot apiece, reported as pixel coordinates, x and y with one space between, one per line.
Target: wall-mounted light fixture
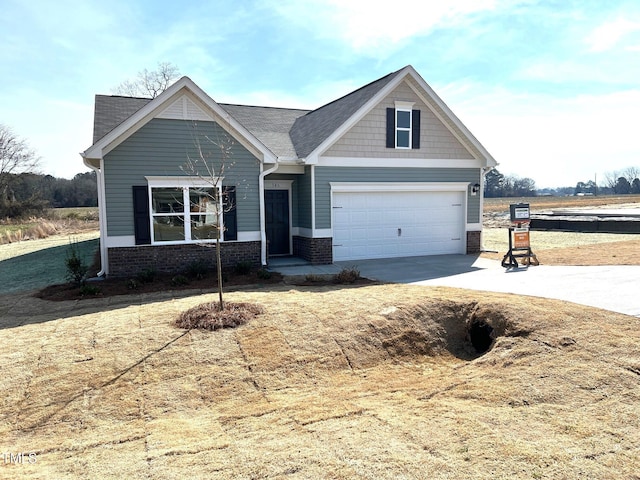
475 189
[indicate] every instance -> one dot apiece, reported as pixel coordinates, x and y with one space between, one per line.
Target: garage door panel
365 224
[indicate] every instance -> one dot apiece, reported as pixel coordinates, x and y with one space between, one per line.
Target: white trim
402 105
247 237
468 136
292 169
102 212
122 241
401 76
474 227
185 183
408 129
156 106
386 162
182 181
313 199
399 187
316 233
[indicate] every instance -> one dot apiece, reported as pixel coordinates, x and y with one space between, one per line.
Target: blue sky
550 88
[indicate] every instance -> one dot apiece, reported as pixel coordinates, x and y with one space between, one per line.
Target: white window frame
404 107
185 183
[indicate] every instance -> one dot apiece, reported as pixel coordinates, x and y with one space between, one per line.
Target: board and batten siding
367 138
325 175
160 148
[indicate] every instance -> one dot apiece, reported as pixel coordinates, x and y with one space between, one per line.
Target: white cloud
555 141
609 34
374 27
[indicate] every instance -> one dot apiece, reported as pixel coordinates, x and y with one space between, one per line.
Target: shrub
197 269
76 268
133 284
147 275
347 275
243 268
89 290
179 281
263 274
312 278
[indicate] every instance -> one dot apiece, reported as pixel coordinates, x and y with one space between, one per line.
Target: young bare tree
149 84
15 157
209 165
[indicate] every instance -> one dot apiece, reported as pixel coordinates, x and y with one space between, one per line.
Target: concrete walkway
614 288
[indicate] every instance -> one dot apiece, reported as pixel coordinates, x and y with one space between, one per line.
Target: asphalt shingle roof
111 111
312 129
269 125
288 133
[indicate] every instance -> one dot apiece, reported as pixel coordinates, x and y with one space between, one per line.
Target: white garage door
387 224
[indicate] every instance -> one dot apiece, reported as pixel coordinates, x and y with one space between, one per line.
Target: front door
276 204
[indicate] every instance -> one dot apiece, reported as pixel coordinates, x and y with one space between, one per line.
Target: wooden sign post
519 241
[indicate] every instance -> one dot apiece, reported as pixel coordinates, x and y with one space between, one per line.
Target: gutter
263 222
101 216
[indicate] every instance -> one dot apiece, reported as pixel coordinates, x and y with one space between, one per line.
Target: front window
172 222
403 128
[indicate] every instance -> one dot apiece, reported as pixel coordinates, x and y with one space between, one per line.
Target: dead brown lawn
364 382
570 248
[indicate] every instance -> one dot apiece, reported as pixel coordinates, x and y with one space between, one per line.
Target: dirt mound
465 330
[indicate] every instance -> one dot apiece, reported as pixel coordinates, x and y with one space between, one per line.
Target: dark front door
277 219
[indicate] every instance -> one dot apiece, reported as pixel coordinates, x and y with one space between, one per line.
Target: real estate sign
521 238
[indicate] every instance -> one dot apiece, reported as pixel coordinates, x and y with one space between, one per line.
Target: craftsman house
385 171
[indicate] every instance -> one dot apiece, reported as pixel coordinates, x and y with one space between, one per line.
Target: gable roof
310 130
113 109
289 134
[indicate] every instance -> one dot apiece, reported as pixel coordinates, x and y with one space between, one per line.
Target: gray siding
304 199
160 148
368 137
325 175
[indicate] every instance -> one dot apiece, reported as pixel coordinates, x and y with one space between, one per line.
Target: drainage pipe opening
481 335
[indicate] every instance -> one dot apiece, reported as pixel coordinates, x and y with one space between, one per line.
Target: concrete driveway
614 288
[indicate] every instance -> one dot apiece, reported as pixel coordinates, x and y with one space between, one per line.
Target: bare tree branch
149 84
210 166
15 158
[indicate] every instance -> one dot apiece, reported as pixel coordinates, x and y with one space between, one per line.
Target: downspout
485 170
263 222
101 216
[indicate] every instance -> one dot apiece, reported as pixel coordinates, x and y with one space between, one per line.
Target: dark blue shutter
141 222
415 129
391 128
229 219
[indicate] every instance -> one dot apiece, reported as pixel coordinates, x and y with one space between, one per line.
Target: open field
55 221
369 382
538 204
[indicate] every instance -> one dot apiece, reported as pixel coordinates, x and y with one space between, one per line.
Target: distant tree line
30 193
619 182
498 185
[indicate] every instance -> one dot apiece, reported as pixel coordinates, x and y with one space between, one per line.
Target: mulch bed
161 282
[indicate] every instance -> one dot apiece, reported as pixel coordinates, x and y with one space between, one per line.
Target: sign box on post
519 213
